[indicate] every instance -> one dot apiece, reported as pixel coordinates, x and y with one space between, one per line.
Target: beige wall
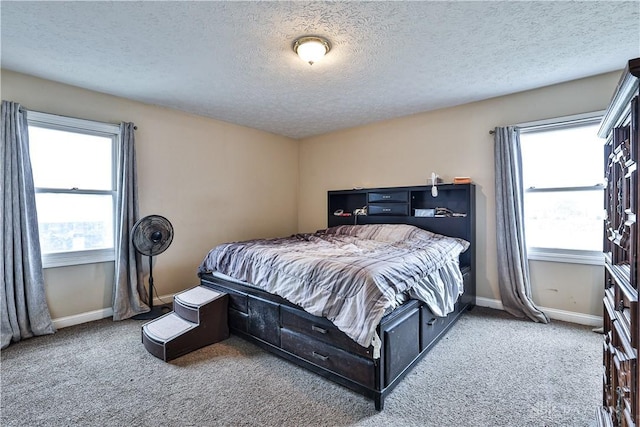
455 142
575 288
213 180
218 182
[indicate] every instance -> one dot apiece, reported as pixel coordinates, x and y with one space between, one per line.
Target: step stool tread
197 296
167 327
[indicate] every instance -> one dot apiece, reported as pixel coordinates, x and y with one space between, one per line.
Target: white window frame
570 256
89 127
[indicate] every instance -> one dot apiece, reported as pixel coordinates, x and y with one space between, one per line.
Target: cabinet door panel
402 345
388 209
264 320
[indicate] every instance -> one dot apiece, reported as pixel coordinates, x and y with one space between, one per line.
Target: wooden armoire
621 128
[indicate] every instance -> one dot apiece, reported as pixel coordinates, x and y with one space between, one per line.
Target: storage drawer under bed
431 326
321 329
348 365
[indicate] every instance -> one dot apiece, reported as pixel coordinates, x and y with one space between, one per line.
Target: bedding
349 274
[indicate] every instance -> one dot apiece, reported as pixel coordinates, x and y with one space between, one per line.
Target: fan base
155 312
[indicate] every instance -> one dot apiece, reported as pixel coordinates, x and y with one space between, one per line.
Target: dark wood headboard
407 205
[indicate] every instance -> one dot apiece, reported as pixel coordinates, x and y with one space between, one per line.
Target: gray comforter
349 274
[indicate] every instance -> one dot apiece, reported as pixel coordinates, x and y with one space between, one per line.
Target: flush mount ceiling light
311 48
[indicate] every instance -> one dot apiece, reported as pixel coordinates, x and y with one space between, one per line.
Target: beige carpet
490 370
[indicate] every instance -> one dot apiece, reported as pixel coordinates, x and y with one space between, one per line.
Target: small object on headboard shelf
341 212
434 179
462 180
425 213
361 211
444 212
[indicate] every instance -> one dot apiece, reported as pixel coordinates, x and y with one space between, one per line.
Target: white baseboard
553 313
90 316
76 319
488 302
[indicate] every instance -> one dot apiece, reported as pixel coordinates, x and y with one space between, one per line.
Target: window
563 182
74 172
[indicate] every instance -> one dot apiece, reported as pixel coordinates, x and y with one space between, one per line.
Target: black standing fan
151 236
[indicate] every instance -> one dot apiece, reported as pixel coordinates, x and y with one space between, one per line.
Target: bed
360 302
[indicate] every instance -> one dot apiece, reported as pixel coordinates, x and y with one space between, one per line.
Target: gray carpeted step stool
198 319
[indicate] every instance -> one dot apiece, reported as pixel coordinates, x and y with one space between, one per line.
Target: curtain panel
513 264
129 280
23 305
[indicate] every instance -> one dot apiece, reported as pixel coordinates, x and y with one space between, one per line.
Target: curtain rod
491 132
23 109
558 121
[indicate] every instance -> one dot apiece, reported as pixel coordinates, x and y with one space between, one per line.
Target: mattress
351 274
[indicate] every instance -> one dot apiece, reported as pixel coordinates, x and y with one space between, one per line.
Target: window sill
65 259
566 256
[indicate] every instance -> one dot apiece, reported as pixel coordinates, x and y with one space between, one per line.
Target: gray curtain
23 304
128 278
513 265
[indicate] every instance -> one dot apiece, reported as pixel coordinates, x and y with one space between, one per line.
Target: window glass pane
569 157
564 220
62 159
74 222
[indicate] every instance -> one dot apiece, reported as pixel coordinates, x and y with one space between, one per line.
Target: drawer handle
432 321
386 210
320 356
318 329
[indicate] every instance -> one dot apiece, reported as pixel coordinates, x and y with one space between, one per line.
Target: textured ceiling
233 60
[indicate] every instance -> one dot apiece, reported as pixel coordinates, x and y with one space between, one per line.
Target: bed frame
407 333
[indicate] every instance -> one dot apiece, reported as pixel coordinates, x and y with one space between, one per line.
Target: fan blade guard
152 235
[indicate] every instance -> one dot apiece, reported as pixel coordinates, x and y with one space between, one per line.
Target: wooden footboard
314 343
